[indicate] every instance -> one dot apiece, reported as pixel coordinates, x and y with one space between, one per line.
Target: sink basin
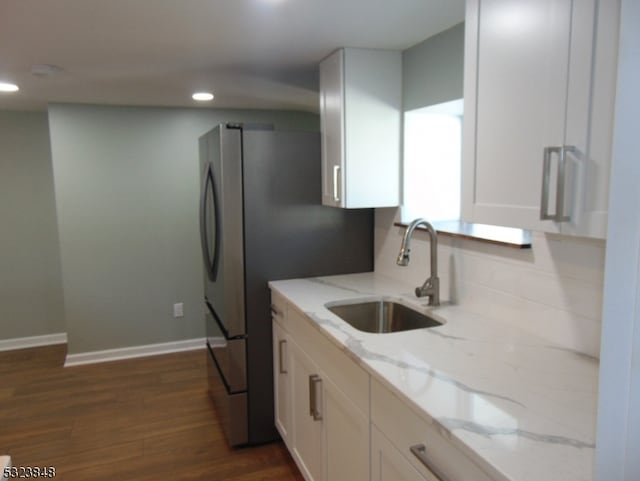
382 316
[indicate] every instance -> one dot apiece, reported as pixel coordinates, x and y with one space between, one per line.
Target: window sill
503 236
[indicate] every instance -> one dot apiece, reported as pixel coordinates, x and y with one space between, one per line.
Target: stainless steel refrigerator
260 220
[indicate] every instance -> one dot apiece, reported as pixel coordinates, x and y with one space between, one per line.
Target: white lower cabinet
308 422
388 463
347 437
419 441
281 376
321 402
340 424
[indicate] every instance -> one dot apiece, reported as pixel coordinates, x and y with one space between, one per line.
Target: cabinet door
388 464
346 436
332 127
527 89
590 175
307 415
360 121
282 385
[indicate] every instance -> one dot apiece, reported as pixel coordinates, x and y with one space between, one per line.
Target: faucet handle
431 290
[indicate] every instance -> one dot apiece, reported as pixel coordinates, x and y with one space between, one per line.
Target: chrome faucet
431 287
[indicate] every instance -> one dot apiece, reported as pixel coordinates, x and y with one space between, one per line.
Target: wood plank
141 419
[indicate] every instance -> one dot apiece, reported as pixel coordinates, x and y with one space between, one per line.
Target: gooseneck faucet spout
431 287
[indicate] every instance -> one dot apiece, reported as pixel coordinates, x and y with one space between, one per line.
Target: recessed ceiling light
202 96
8 87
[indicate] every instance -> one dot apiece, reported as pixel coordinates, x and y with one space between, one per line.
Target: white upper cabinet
539 92
360 115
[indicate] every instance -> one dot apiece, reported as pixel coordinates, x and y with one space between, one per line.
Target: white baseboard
33 341
216 341
133 352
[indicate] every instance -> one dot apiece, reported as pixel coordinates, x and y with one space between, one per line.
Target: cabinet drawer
343 371
405 429
388 463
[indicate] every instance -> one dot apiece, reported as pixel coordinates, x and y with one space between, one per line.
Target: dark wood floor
140 419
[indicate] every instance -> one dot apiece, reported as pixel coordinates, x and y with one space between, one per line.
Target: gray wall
433 70
127 189
30 282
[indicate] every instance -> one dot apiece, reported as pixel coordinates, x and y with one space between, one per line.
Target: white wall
30 281
553 290
424 85
618 434
127 192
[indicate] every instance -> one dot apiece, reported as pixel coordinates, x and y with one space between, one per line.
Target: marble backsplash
553 290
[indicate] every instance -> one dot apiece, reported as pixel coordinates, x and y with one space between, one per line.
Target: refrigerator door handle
210 261
221 325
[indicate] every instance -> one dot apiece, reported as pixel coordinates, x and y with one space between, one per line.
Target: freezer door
231 408
230 356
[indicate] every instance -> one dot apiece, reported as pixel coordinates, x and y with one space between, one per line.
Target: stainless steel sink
382 316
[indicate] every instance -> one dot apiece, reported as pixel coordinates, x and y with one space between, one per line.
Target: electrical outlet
178 310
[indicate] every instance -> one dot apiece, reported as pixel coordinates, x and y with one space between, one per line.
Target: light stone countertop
522 409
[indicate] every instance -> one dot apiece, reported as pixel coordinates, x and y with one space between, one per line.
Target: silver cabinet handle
281 352
420 452
336 171
558 215
314 382
562 170
275 311
546 180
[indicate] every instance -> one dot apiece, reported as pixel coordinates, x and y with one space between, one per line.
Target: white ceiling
249 53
